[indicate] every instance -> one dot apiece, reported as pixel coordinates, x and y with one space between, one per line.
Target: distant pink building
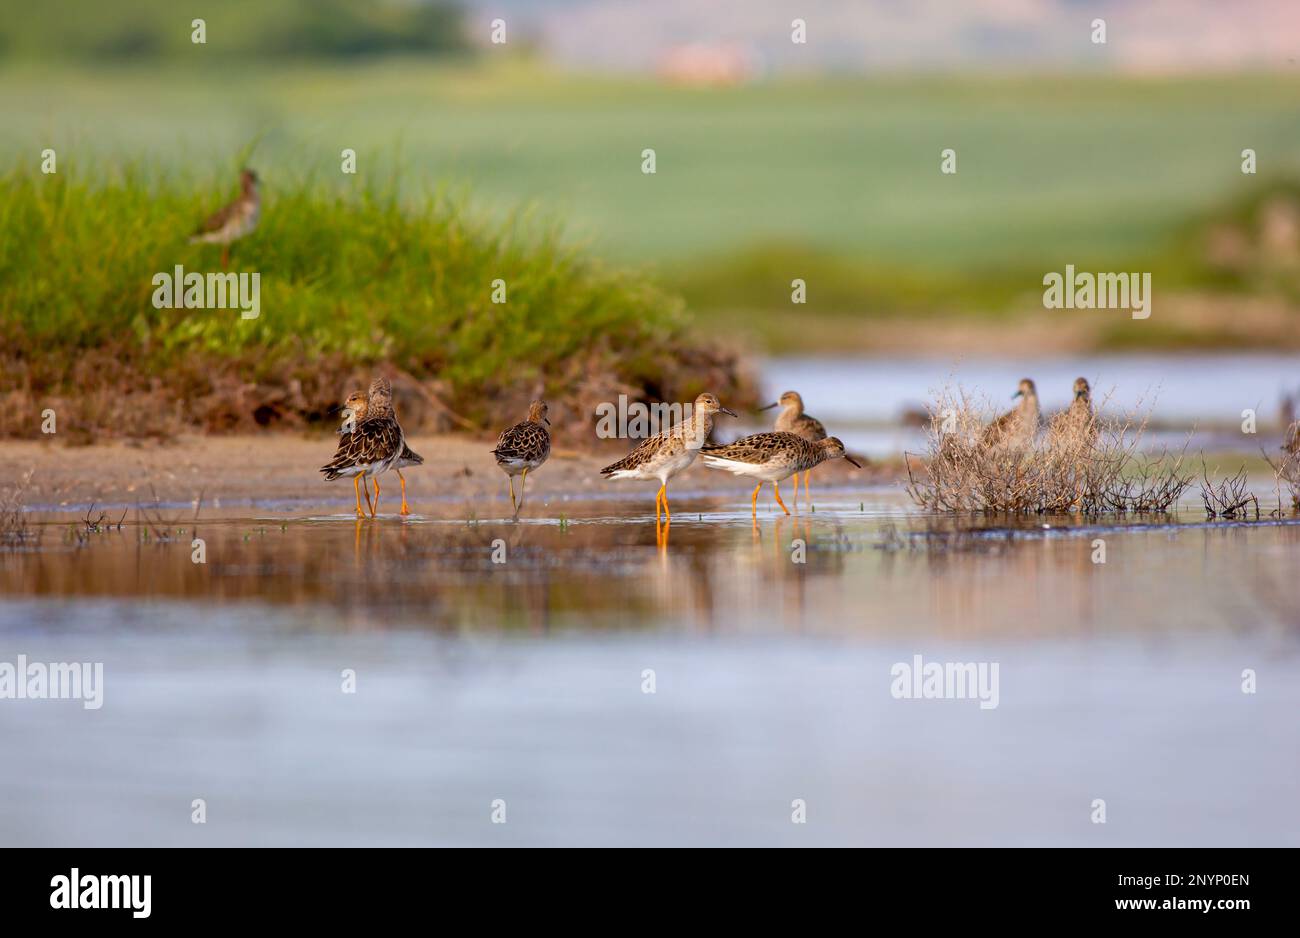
708 64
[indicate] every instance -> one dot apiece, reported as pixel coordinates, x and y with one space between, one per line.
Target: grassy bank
350 282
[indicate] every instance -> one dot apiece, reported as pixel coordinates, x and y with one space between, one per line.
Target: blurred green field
835 180
1086 168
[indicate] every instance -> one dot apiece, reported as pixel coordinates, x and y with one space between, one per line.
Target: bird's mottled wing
218 219
378 439
527 441
344 457
755 449
373 441
644 453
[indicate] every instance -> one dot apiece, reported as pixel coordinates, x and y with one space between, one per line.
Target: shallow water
524 680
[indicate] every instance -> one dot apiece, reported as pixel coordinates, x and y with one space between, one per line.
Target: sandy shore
278 467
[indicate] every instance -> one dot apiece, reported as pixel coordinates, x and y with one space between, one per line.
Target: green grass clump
353 279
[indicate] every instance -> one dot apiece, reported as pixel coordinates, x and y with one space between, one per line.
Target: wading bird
1077 425
1016 427
374 446
354 409
233 221
773 457
792 419
523 447
665 454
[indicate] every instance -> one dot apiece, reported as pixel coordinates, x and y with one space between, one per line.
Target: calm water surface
524 680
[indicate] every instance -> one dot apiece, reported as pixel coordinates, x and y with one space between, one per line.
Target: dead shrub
1286 476
14 528
1227 498
1088 468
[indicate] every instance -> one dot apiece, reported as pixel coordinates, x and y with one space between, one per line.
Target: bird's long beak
335 409
548 420
853 462
728 412
769 406
1017 394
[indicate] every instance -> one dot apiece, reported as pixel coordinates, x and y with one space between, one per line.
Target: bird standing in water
667 453
773 457
792 419
524 447
354 409
374 446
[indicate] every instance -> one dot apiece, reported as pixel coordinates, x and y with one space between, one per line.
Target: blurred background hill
155 31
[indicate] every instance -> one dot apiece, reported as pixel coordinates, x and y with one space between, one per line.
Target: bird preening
374 444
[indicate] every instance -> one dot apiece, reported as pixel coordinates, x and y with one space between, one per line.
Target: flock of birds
371 442
798 443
